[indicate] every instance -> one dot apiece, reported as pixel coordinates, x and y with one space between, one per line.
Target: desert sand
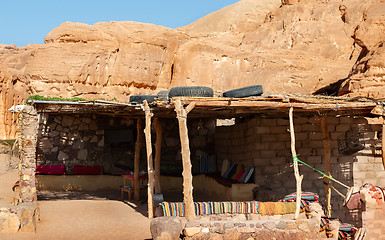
74 215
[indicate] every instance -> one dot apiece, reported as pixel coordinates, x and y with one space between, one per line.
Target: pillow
50 169
240 174
237 171
247 175
231 171
225 167
86 170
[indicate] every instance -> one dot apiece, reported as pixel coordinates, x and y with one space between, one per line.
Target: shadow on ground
139 206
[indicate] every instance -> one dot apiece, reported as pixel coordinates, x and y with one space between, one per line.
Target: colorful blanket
345 229
277 208
203 208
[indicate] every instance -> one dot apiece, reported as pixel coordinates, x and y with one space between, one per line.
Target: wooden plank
344 106
326 146
298 178
150 163
158 154
185 147
138 147
383 144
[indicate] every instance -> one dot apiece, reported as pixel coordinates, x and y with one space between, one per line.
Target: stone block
342 128
269 225
83 127
279 161
282 225
94 139
313 159
191 231
346 120
279 129
62 156
315 136
52 126
282 122
268 153
268 138
300 136
86 120
9 222
101 142
309 128
67 120
262 129
283 137
79 144
163 228
100 132
82 154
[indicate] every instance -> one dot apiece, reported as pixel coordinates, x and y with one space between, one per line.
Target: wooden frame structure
274 106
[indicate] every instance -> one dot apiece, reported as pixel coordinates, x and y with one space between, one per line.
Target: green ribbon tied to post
295 158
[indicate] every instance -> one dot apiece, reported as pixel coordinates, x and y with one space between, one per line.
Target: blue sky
27 21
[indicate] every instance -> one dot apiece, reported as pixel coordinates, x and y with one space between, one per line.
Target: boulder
166 228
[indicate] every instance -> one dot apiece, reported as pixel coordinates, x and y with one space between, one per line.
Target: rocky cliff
288 46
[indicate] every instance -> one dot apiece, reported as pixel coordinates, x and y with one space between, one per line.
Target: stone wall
253 229
27 130
265 144
80 139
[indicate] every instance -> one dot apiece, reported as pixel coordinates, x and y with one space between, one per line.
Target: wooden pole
298 178
181 114
326 145
383 142
158 154
150 164
138 147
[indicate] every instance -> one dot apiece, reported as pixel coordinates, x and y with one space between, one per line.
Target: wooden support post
150 164
298 178
383 142
326 145
158 154
181 114
138 147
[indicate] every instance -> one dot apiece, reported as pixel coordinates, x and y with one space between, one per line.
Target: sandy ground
74 215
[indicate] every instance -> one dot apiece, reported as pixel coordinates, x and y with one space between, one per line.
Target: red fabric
239 175
354 202
53 169
87 170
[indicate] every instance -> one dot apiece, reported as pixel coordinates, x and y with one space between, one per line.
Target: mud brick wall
27 130
265 144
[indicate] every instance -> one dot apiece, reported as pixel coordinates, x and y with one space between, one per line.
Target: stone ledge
293 229
23 217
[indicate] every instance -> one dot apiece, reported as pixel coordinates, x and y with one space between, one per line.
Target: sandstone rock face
288 46
368 74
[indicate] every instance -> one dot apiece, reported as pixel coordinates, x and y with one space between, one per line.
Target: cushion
240 174
247 175
231 171
52 169
237 171
87 170
225 167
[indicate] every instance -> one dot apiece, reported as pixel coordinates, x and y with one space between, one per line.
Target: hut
336 135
